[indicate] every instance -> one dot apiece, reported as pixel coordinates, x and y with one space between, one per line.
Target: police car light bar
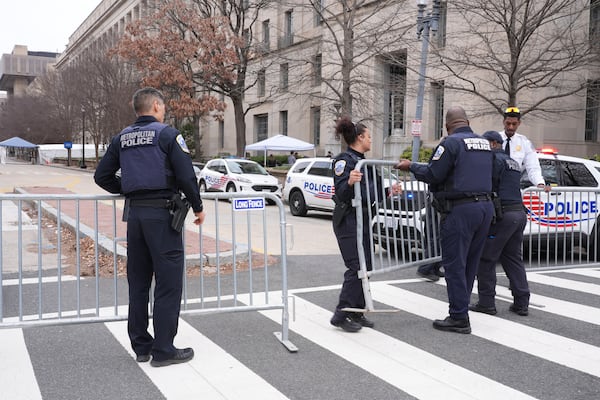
547 150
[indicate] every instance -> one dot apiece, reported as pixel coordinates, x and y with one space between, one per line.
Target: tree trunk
240 125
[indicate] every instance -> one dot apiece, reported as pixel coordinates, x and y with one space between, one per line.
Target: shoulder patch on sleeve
181 142
339 167
438 153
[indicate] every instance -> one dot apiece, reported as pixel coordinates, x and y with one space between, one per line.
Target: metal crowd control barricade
403 230
63 259
562 229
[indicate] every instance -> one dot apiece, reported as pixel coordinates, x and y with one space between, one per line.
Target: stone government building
295 61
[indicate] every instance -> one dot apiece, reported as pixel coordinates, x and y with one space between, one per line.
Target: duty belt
154 203
513 207
471 199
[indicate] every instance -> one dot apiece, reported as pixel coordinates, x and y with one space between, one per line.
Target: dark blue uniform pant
504 244
352 294
153 248
463 233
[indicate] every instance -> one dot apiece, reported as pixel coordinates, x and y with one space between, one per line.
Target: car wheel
297 204
231 189
202 186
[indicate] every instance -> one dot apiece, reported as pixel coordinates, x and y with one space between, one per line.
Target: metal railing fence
63 259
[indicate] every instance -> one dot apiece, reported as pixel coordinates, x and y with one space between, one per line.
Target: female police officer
358 138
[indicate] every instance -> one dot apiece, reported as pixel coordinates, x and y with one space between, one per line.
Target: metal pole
82 165
425 24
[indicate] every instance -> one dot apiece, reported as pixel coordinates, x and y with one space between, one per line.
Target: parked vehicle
237 175
566 219
309 185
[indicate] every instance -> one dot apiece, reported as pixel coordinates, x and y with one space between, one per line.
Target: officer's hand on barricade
547 188
355 176
199 217
403 165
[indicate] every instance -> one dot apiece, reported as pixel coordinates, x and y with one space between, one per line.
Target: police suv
309 186
237 175
565 220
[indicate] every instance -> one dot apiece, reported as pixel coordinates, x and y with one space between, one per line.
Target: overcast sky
41 25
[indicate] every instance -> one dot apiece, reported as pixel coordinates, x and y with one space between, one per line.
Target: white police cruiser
237 175
565 220
309 186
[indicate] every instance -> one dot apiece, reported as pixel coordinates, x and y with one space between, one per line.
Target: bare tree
197 49
530 53
355 35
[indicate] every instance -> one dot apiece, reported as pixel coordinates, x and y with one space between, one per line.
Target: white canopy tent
280 143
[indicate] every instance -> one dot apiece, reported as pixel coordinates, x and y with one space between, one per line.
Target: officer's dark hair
349 130
144 98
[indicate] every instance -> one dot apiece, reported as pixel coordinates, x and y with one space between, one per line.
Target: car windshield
245 167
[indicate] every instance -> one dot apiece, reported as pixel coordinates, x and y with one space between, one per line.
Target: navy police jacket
506 179
460 167
345 162
154 162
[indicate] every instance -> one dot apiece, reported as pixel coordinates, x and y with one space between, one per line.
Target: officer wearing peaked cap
460 177
155 165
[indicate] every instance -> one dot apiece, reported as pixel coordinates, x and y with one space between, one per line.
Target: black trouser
351 294
153 248
504 243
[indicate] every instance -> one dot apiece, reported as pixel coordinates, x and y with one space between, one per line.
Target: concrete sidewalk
110 225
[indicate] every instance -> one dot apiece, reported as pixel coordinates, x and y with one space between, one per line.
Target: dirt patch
85 250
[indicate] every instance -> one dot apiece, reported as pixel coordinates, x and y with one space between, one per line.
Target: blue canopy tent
18 143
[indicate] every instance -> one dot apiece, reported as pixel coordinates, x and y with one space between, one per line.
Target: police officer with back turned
505 239
155 166
460 177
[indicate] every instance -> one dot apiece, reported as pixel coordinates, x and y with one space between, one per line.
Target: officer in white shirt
520 149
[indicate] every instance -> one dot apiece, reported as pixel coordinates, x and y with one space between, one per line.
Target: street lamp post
425 24
82 164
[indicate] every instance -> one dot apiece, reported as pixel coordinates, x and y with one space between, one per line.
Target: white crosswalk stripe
218 371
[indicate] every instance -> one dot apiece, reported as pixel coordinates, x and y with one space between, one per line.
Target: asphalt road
554 353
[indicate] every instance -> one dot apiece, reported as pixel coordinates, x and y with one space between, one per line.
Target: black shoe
142 358
522 311
430 276
479 308
181 356
439 272
452 325
363 321
346 324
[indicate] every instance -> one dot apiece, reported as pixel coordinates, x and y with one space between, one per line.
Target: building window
319 7
261 126
287 24
317 69
287 37
221 134
594 20
315 117
283 122
283 77
438 109
592 111
396 98
266 39
261 82
441 32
